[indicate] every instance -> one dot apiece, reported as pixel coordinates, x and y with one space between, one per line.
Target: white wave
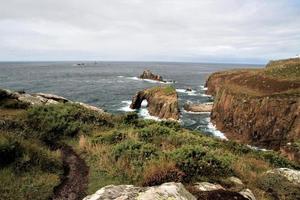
149 80
190 93
142 112
205 95
120 76
203 87
257 148
126 107
213 129
195 113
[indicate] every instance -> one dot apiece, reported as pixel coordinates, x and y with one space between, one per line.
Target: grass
166 90
119 149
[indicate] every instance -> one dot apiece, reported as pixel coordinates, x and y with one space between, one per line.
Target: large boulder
290 174
162 102
165 191
147 74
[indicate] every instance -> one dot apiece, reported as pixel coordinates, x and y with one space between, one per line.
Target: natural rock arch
162 102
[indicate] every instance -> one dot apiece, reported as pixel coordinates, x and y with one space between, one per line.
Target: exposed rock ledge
162 102
41 99
204 107
176 191
147 74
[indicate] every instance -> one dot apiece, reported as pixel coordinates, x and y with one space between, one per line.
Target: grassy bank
119 149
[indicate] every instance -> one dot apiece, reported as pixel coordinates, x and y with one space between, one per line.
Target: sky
231 31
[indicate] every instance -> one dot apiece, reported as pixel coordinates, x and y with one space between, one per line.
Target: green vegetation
166 90
25 165
119 149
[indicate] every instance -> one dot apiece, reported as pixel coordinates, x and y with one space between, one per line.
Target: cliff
258 106
162 102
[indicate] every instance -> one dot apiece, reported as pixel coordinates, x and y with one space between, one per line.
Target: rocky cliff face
258 107
162 102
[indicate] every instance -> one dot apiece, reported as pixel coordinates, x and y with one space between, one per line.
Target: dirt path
74 183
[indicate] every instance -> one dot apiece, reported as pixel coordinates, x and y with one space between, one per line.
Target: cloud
167 30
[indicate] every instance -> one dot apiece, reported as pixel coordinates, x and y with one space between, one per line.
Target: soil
75 180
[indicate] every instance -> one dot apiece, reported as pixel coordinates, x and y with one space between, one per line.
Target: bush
279 187
9 151
13 104
131 118
51 122
161 171
171 124
197 162
134 151
112 138
155 130
276 160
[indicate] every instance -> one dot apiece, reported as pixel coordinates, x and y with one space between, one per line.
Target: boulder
290 174
52 96
170 190
206 186
147 74
198 107
247 194
162 102
89 107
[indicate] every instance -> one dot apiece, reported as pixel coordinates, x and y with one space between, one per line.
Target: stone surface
89 107
161 104
247 194
290 174
206 186
198 107
52 96
147 74
175 191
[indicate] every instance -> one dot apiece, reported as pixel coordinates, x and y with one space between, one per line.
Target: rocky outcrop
162 102
40 99
171 190
147 74
258 107
291 175
176 191
204 107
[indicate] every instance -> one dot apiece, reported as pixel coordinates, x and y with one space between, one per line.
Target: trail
75 180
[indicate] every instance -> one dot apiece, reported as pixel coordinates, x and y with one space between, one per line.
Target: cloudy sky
245 31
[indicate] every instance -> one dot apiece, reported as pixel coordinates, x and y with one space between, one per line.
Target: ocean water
111 85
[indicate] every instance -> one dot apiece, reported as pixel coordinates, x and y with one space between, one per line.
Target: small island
147 74
162 101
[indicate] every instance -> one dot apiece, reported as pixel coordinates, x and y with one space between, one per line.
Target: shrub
9 150
13 104
147 133
51 122
276 160
161 171
134 151
279 187
196 161
131 118
111 138
171 124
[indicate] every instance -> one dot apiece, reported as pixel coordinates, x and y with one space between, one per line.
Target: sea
111 85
